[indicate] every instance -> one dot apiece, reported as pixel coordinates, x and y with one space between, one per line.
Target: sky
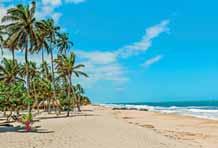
140 51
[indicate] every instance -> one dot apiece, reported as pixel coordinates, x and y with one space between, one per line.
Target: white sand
97 128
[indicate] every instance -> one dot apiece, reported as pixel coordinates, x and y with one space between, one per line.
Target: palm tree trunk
35 94
43 59
38 108
53 81
69 94
78 103
69 101
13 55
27 75
2 52
69 91
5 110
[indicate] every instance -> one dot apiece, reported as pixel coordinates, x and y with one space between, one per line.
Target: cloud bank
105 65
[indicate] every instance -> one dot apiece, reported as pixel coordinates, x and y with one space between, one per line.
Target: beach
101 127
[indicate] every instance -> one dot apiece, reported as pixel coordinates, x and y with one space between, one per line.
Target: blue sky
139 51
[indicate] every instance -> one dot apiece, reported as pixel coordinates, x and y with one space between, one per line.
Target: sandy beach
100 127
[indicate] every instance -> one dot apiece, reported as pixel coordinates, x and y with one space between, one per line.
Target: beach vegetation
48 85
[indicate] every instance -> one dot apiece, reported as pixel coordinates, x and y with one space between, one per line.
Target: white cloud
98 57
110 72
146 41
102 66
152 60
5 1
57 3
47 8
44 11
75 1
52 2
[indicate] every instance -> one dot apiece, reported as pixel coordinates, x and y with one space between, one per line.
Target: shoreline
201 132
102 127
171 110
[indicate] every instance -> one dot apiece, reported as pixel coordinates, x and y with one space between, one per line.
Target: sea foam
206 112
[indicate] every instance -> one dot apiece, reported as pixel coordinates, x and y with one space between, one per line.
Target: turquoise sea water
200 109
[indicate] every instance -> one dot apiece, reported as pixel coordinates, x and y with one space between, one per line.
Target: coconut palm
32 72
9 71
42 43
48 27
12 97
63 43
84 100
79 91
4 42
21 27
66 67
22 32
45 71
47 92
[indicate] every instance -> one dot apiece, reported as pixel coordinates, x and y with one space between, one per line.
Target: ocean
200 109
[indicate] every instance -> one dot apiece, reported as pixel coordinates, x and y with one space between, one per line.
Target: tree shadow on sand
87 110
19 129
8 126
64 116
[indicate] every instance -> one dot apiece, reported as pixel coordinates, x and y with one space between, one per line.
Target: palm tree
79 91
32 72
48 27
21 27
9 71
12 97
46 91
20 31
85 100
45 71
5 44
66 66
42 40
63 43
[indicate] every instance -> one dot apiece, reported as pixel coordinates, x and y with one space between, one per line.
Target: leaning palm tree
63 43
21 28
66 67
50 30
